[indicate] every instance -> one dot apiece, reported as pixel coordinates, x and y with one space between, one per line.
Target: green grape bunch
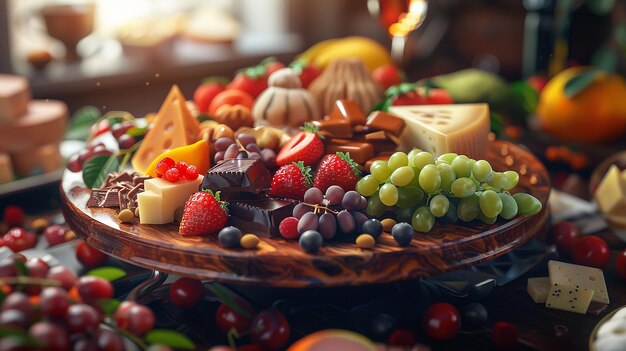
449 188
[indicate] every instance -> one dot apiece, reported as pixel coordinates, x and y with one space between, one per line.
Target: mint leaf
81 121
97 168
107 273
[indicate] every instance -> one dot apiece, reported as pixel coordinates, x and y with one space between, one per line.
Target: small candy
249 241
365 241
126 216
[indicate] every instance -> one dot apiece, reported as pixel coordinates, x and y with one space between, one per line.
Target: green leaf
580 82
216 79
136 131
600 7
109 306
620 35
527 96
97 168
170 338
107 273
20 268
20 337
299 65
228 298
605 59
81 121
496 123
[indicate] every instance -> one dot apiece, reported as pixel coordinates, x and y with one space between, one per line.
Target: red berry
90 257
18 301
135 318
13 216
108 340
172 175
504 335
51 336
126 141
186 292
203 214
81 318
288 228
164 165
442 321
564 235
91 289
55 234
227 318
306 146
63 275
18 239
191 172
181 166
36 268
401 337
620 264
591 251
73 164
270 329
337 169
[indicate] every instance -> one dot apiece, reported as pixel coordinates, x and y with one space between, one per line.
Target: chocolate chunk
359 151
236 176
334 128
379 120
347 109
260 216
103 198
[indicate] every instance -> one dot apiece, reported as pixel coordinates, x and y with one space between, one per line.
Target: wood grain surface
281 263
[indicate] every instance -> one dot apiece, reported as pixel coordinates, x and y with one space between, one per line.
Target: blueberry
372 226
311 241
382 325
402 233
229 237
474 314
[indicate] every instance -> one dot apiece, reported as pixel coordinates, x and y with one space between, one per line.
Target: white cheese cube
538 289
161 198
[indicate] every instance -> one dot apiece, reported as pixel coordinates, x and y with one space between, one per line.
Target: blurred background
123 55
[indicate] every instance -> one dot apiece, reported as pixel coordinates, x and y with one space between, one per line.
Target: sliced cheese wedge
581 276
172 127
611 194
438 129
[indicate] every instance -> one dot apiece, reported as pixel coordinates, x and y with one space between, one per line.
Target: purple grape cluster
245 147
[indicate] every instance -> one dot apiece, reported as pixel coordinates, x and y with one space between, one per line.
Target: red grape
18 239
591 251
89 257
54 302
118 129
51 335
135 318
81 318
36 268
13 216
227 319
126 141
442 321
620 264
92 289
55 234
504 335
18 301
107 340
63 275
13 319
186 292
564 235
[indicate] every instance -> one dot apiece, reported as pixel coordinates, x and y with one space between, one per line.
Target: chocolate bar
118 190
379 120
103 198
347 109
260 216
336 128
359 151
236 177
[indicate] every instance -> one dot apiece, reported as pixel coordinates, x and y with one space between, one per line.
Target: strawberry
204 214
308 71
291 181
306 146
337 169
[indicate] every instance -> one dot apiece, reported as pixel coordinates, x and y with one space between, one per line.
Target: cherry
81 318
13 319
564 235
126 141
620 264
18 301
118 129
270 329
55 234
185 292
401 337
13 216
442 321
7 268
591 251
227 319
51 335
504 335
63 275
135 318
85 343
107 340
18 239
54 302
100 128
89 257
91 289
74 164
36 268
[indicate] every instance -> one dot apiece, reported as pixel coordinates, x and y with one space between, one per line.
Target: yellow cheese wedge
439 129
14 97
172 127
611 194
196 154
161 198
538 289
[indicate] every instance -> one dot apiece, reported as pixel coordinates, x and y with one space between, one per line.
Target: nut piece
40 224
69 235
388 223
249 241
126 216
365 241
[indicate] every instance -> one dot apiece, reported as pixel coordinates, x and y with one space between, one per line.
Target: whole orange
596 114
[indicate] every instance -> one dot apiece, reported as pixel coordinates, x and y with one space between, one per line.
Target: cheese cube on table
570 298
14 97
611 193
538 289
439 129
589 278
161 198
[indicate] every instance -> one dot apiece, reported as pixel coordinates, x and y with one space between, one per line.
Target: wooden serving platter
281 263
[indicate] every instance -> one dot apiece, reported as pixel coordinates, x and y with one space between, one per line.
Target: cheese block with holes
14 97
438 129
44 123
582 276
172 127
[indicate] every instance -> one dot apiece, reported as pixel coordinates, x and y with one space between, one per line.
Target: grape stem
318 207
23 280
136 340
